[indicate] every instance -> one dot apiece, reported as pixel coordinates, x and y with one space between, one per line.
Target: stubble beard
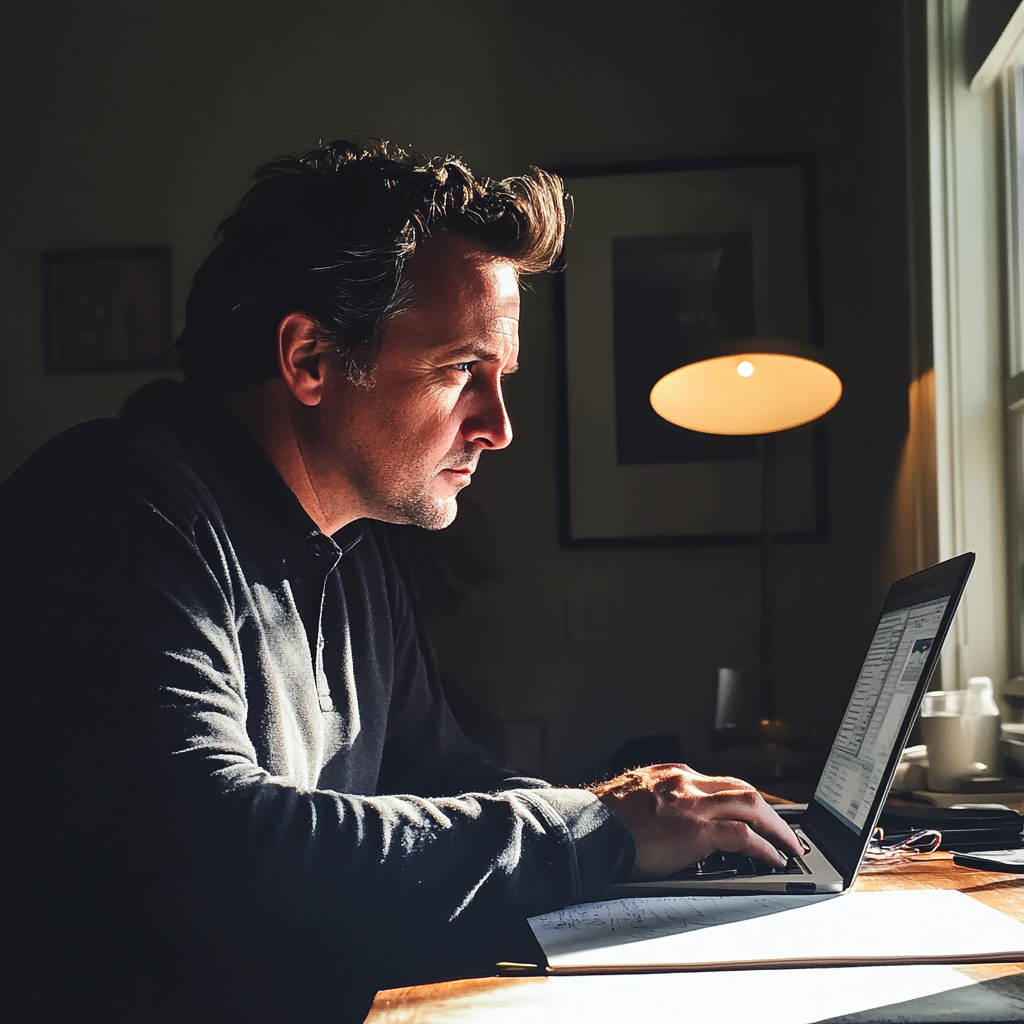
426 513
414 505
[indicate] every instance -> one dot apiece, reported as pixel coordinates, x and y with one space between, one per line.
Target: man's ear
302 351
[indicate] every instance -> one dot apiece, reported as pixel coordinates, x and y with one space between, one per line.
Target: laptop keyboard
733 865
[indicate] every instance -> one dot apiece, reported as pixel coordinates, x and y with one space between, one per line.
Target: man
234 791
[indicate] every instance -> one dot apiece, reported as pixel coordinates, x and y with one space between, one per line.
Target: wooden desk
470 999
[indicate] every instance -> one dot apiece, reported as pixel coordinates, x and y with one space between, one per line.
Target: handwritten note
691 930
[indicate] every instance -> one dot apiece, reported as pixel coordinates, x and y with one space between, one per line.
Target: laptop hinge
832 856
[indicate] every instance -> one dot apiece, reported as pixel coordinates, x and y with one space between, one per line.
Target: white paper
692 930
718 997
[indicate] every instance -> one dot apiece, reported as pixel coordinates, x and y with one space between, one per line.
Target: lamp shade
748 386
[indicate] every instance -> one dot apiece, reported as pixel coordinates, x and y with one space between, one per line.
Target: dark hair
328 234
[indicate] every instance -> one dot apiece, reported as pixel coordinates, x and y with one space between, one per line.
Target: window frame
968 318
1011 88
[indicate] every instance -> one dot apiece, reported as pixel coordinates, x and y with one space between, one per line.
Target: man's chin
442 515
426 513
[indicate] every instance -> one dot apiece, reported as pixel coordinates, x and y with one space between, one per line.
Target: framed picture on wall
663 257
107 309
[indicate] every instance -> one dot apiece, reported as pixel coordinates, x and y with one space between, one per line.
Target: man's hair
328 234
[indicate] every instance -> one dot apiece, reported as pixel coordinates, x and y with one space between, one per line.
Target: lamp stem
767 576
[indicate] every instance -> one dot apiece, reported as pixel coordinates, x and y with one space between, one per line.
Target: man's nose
488 424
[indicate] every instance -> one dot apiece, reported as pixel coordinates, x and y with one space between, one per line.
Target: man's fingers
737 837
747 807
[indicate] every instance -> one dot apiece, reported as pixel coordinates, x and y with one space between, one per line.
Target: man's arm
676 816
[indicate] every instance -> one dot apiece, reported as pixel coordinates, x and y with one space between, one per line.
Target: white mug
952 739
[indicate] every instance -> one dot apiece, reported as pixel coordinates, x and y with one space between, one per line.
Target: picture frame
107 309
661 256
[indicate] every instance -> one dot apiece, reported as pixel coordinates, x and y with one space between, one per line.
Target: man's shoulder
99 446
99 460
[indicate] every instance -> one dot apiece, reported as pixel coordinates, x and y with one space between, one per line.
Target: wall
131 124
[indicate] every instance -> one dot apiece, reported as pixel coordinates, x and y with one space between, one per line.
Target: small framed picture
107 309
662 258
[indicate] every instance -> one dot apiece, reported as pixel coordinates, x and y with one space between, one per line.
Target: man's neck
265 412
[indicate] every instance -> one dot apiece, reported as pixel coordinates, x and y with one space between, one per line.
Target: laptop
854 783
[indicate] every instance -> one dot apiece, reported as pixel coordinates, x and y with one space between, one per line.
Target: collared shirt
228 714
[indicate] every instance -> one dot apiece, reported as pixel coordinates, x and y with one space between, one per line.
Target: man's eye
464 366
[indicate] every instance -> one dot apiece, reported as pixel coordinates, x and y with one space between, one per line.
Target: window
975 179
1013 176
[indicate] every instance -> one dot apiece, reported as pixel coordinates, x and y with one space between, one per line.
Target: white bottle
981 723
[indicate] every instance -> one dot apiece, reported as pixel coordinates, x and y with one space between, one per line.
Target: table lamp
753 386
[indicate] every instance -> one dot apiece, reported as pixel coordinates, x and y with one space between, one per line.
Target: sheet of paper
750 929
916 994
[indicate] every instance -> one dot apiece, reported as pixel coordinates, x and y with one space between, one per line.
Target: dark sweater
208 708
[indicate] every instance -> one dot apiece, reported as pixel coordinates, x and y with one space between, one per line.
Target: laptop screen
879 707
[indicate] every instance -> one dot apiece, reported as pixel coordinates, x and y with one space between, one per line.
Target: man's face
405 445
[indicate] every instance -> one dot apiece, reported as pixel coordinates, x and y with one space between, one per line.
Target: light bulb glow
711 396
746 368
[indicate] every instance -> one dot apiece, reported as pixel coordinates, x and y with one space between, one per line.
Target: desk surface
459 1000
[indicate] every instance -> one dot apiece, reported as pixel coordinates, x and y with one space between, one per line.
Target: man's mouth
463 471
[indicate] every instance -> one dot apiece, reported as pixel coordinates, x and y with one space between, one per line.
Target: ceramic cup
952 739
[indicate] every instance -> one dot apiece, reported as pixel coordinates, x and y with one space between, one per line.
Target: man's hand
679 817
